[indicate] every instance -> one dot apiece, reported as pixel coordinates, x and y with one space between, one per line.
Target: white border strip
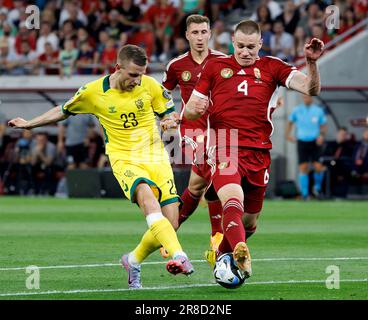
194 261
12 294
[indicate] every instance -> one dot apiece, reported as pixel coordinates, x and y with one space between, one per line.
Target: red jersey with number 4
243 98
184 71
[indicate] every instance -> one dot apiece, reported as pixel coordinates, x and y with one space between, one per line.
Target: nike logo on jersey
231 224
218 216
241 72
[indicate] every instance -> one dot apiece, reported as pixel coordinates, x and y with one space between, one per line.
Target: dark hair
248 27
197 18
133 53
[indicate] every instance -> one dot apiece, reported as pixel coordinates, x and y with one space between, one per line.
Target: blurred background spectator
337 156
67 59
43 154
49 60
360 160
73 136
281 42
156 24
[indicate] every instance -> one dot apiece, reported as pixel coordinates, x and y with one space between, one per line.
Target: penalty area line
78 291
98 265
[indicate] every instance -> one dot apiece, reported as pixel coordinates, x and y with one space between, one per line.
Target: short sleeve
79 103
322 118
169 80
162 102
282 71
292 116
202 88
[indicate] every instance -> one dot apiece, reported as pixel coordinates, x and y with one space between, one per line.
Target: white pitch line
10 294
194 261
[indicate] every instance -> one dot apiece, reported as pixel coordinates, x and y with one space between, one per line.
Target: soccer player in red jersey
240 93
184 71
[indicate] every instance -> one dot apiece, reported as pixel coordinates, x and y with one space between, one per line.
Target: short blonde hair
248 27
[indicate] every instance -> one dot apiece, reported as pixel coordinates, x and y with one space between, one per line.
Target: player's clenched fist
313 50
195 107
201 105
18 123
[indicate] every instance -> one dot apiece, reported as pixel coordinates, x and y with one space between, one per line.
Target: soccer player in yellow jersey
125 103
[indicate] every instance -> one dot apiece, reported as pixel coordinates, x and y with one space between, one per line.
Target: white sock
179 253
132 260
153 217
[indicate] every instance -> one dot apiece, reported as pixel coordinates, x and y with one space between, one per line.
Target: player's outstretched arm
195 107
309 84
49 117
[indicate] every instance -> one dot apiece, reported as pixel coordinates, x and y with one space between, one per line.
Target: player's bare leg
160 232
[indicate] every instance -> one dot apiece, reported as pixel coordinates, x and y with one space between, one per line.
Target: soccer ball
226 273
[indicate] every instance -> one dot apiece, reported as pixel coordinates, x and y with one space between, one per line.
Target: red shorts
248 168
194 149
203 170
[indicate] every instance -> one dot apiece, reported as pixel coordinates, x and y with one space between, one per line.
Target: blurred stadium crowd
82 37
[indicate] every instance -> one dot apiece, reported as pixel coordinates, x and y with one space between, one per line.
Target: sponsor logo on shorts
186 75
227 73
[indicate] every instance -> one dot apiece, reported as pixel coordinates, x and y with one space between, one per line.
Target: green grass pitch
77 245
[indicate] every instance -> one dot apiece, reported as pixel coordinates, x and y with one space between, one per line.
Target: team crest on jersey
112 109
139 103
129 174
257 74
186 75
226 73
223 165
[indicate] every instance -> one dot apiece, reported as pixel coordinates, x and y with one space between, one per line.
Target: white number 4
243 87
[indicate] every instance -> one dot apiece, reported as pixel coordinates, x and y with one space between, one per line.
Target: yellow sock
147 245
164 232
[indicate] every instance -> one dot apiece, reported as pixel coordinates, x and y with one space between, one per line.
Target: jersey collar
106 83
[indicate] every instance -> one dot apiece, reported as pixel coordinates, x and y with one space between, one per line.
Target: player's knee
146 199
196 190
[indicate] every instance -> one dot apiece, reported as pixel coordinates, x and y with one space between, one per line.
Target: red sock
190 203
250 231
234 232
224 247
215 212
